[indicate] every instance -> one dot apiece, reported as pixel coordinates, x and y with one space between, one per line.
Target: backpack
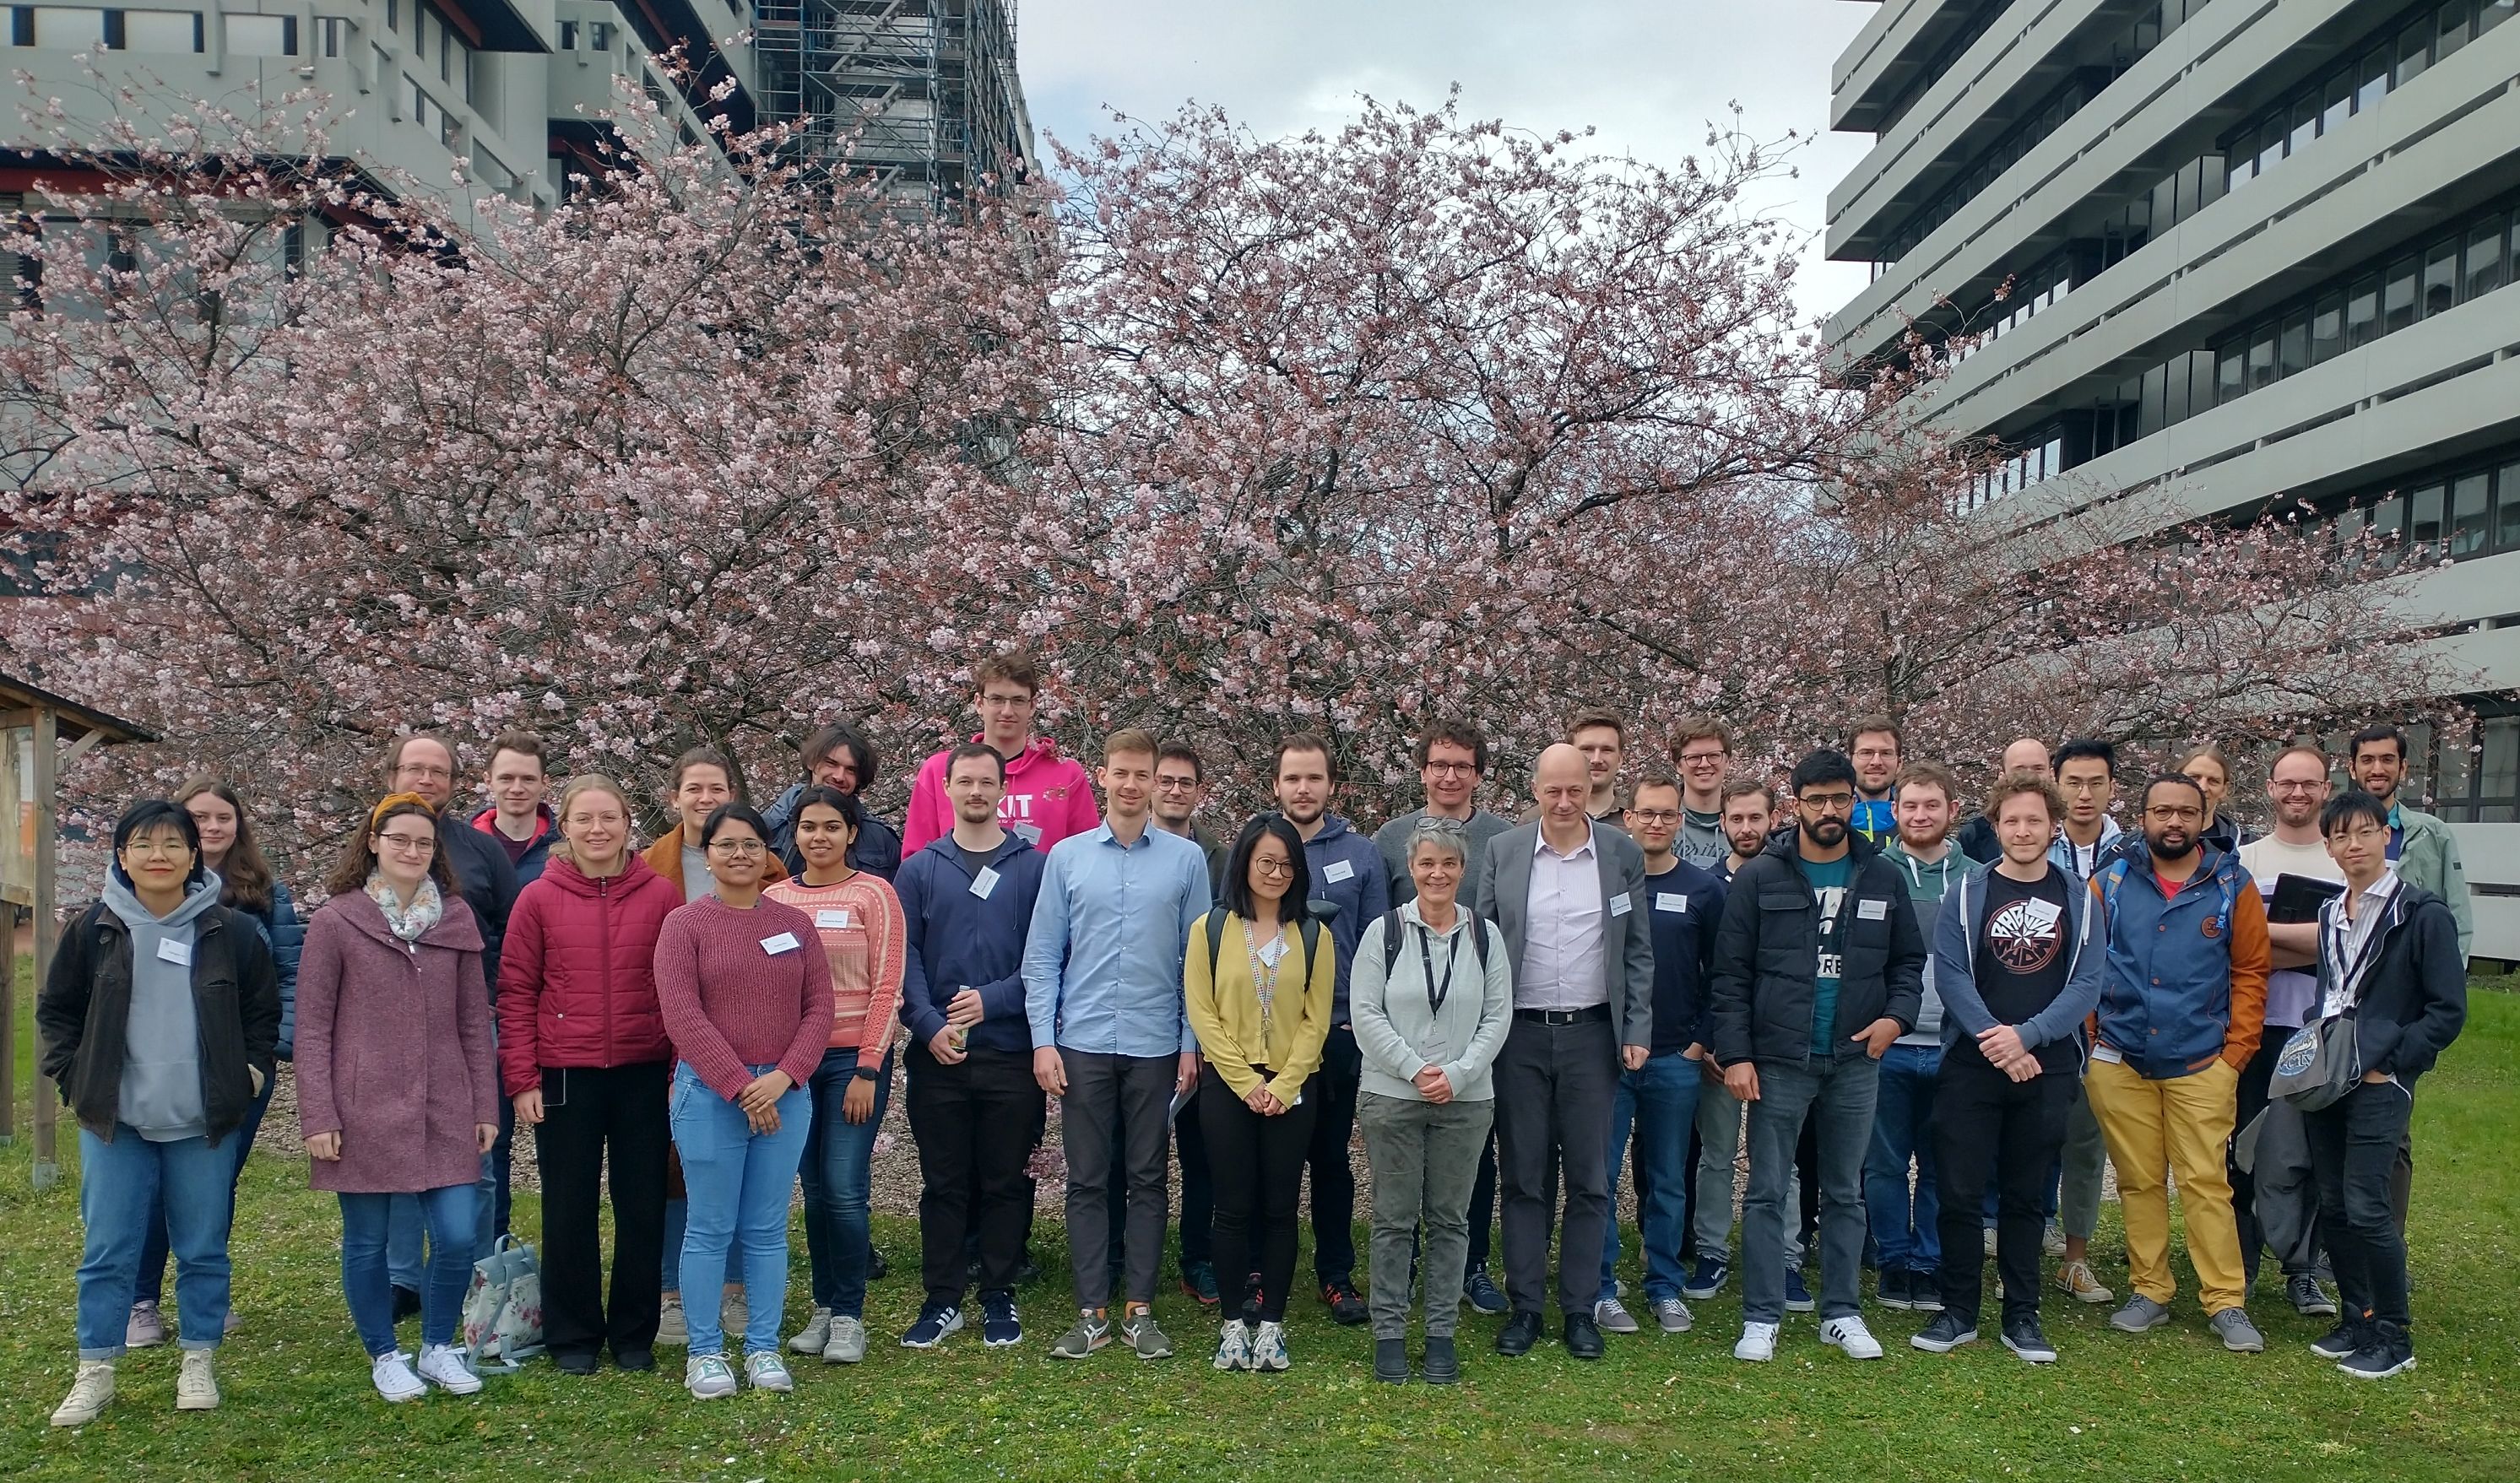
503 1312
2114 874
1308 928
1391 935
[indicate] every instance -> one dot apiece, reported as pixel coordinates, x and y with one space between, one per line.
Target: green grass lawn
2170 1404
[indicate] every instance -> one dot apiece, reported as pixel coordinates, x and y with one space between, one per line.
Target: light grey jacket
1397 1028
1503 873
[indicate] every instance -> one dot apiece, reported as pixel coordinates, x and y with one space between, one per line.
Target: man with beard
2182 1003
835 756
1872 744
2026 754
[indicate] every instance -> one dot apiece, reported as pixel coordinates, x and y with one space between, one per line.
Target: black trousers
1330 1093
1555 1085
1130 1096
1261 1161
590 1116
1197 1186
972 1122
2255 1078
2354 1145
1987 1126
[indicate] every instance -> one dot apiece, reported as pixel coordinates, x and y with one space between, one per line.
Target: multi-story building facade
2222 253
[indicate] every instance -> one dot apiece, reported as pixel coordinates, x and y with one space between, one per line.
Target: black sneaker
1798 1298
1347 1309
1894 1289
1924 1291
1391 1361
1947 1332
1198 1279
1482 1291
878 1269
1000 1326
1707 1281
2387 1350
1443 1365
2023 1338
2342 1341
1520 1332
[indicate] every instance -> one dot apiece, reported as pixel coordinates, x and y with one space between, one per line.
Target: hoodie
1049 799
535 853
1927 881
959 938
1701 841
1347 871
162 1097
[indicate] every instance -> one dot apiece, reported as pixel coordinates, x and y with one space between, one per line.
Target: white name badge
1031 833
1339 869
785 942
832 919
2108 1053
1871 911
1670 901
2042 915
1620 905
986 881
179 954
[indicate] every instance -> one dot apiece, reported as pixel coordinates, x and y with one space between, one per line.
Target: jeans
1424 1159
1993 1129
2354 1144
835 1171
1263 1163
739 1182
2179 1125
1330 1093
1555 1085
1660 1101
153 1251
593 1119
1902 1127
972 1122
449 1216
1837 1093
1130 1096
121 1184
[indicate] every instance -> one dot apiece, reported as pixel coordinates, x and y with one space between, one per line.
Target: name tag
1670 901
1339 869
832 919
785 942
178 952
1620 906
2108 1053
1031 833
1871 911
986 881
2042 915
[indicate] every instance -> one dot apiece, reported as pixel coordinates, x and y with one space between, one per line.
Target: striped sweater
863 936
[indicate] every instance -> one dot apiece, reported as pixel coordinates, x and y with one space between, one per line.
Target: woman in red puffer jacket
583 1053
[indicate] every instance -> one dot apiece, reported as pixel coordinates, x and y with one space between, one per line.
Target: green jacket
2428 856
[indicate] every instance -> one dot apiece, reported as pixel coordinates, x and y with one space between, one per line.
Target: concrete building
2255 250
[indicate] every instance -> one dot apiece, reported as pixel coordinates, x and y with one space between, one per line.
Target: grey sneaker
848 1343
2239 1335
2307 1298
767 1371
708 1377
1672 1314
2139 1314
1613 1317
146 1328
1093 1331
1142 1335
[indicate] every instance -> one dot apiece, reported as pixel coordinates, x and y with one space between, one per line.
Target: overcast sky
1647 73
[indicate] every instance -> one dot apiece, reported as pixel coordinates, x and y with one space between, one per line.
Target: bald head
1560 781
2029 755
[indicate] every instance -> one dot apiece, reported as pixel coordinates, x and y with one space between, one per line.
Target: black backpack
1391 935
1309 929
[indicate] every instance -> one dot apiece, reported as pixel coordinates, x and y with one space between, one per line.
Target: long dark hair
359 857
245 877
1236 891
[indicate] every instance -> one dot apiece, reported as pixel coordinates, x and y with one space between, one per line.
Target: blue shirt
1828 879
1103 961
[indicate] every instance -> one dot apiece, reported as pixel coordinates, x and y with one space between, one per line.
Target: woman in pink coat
396 1089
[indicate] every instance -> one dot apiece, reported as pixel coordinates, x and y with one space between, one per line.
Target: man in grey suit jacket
1567 896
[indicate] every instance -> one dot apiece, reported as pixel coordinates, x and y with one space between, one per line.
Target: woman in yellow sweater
1259 978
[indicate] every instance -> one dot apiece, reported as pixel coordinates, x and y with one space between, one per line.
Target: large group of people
1931 1025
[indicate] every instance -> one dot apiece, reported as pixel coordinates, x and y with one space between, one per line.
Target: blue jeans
448 1216
121 1185
739 1182
1836 1091
153 1251
1903 1126
1660 1100
836 1170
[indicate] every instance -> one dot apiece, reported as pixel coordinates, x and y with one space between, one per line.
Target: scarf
407 924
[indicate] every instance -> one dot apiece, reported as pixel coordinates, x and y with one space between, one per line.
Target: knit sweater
744 988
859 921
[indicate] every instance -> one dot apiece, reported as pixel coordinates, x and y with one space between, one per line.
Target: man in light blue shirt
1112 1036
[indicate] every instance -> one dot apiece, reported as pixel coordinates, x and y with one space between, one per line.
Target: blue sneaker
935 1321
999 1328
1798 1298
1481 1290
1707 1281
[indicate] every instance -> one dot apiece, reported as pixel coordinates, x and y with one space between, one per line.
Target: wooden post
48 1168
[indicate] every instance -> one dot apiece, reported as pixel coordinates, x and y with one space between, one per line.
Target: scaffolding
921 93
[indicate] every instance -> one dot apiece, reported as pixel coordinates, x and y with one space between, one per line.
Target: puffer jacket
578 977
284 933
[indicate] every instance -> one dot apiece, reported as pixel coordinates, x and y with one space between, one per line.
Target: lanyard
1264 982
1436 996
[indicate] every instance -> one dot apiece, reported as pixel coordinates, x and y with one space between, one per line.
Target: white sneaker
1850 1334
196 1385
848 1342
89 1395
441 1367
767 1371
733 1316
671 1328
1758 1343
2052 1239
815 1334
1269 1347
707 1376
1234 1345
394 1378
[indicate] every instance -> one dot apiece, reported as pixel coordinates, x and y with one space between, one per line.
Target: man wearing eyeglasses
2087 775
1048 798
2182 1003
2274 1198
1701 748
1819 966
1180 787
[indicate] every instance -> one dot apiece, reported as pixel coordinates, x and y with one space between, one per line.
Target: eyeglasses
1828 803
423 770
1656 815
1692 759
2366 835
1176 785
737 848
1453 769
2087 785
409 844
157 845
1273 867
2283 786
1005 703
2174 813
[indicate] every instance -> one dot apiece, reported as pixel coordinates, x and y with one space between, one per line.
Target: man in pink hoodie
1048 796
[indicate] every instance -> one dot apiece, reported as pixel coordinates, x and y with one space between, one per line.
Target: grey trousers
1424 1159
2087 1154
1134 1094
1555 1085
1719 1139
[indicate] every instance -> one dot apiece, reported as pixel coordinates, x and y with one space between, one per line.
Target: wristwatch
863 1073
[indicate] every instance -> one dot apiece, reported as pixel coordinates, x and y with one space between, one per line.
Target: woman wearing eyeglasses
747 993
1260 1002
397 1091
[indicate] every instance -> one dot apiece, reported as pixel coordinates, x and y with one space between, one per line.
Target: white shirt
2266 859
1561 944
2350 940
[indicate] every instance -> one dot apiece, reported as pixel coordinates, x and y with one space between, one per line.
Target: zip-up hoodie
1928 881
1347 868
958 938
1049 799
162 1097
2428 856
1959 926
2186 978
1701 841
2060 850
537 852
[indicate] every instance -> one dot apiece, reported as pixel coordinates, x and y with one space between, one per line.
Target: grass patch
2166 1405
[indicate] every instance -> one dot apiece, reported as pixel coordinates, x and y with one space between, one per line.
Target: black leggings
1258 1166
